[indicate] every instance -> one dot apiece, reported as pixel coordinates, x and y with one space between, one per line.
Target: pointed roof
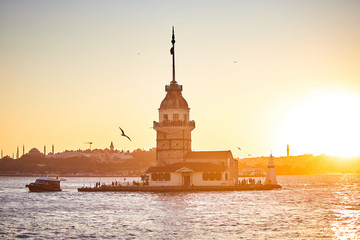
173 98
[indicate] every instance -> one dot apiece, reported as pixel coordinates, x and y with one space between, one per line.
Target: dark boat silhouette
45 184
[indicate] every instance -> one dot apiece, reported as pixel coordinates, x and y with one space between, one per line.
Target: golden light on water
346 216
346 222
325 123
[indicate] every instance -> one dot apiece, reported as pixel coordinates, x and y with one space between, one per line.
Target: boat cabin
51 182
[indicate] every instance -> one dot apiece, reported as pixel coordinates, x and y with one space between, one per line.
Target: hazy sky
256 74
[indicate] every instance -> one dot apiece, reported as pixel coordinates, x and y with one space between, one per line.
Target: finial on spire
172 51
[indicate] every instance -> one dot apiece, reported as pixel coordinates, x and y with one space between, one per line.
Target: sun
326 123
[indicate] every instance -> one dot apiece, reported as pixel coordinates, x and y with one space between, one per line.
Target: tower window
185 118
176 117
166 117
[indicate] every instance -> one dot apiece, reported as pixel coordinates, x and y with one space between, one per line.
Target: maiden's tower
177 164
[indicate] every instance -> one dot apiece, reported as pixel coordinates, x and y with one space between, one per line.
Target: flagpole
173 53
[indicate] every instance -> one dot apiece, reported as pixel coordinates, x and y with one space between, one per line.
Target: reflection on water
347 211
307 207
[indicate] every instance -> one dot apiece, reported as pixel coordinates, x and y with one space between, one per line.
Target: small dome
174 98
34 151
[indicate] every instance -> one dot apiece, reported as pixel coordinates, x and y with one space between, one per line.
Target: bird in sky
239 148
123 134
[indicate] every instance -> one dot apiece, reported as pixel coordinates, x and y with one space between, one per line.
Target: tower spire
172 51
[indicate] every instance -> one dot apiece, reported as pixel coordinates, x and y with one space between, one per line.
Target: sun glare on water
327 123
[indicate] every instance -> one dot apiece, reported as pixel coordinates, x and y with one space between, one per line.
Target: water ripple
308 207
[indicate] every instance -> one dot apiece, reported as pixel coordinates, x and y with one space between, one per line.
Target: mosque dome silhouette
174 98
35 151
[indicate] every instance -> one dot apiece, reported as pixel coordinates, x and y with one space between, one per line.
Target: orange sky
256 75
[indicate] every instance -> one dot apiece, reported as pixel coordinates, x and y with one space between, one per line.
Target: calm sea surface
308 207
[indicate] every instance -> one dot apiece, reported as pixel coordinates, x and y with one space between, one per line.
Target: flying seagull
123 134
239 148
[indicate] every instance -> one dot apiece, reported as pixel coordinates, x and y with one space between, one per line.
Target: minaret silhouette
53 149
2 154
23 149
288 150
17 153
44 150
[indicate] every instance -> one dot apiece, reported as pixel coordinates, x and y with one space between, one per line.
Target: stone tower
173 131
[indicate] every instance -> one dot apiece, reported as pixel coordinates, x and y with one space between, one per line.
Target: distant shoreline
134 176
65 175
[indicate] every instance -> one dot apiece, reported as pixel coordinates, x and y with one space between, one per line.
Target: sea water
307 207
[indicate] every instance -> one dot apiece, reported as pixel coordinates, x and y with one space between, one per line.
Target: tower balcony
173 87
178 123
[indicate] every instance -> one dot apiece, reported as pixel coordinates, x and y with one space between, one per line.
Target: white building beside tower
177 164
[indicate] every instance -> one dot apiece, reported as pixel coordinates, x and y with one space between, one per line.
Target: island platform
109 188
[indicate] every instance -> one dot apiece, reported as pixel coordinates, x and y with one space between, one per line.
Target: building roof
192 167
209 155
174 98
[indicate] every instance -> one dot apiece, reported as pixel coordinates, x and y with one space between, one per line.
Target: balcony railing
174 124
168 87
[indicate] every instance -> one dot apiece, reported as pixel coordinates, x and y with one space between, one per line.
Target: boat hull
33 187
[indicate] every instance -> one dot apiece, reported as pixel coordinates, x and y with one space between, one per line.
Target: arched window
205 176
212 176
161 176
154 177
